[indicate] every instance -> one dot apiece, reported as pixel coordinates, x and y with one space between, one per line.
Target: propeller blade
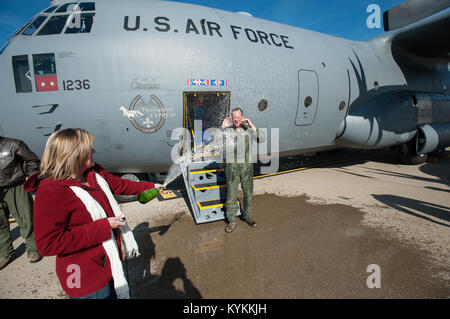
412 11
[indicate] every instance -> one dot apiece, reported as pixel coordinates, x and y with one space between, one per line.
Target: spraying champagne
150 194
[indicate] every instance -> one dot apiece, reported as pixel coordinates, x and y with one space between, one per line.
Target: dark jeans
107 292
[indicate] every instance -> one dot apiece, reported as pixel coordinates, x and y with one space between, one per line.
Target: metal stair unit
207 190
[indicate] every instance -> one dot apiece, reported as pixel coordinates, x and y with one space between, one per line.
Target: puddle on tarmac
298 250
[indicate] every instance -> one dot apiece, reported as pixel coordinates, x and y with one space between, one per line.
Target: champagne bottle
148 195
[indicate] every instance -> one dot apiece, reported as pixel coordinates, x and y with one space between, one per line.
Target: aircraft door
308 96
204 110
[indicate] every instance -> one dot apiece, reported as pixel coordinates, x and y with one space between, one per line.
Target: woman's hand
159 186
114 222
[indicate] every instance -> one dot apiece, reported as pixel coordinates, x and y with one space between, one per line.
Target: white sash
129 243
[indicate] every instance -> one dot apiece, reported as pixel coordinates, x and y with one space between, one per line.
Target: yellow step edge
211 206
207 187
207 171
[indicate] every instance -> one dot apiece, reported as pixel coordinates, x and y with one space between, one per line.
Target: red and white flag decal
45 83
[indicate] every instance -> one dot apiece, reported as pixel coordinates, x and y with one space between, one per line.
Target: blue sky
346 18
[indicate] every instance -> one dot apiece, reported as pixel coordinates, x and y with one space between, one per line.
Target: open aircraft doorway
203 174
204 110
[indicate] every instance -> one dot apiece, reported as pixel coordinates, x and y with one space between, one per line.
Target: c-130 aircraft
131 72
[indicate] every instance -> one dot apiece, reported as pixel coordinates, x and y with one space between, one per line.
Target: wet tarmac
368 228
298 250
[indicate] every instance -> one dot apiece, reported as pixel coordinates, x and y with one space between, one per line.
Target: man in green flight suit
239 132
17 162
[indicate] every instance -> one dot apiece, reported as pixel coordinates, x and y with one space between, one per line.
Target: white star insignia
43 84
52 83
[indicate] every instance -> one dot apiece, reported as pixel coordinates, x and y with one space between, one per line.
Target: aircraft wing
416 32
429 38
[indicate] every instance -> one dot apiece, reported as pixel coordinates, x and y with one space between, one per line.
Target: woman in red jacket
77 219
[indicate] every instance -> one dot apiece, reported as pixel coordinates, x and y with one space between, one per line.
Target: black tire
138 177
408 155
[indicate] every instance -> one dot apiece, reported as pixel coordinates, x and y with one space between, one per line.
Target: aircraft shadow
344 170
409 206
401 175
144 284
438 189
436 169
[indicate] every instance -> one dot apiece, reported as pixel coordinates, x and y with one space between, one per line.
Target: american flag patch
206 82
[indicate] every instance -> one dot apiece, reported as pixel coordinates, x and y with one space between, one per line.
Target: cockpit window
81 24
82 6
44 64
34 25
80 15
22 77
65 7
51 9
45 75
87 6
54 26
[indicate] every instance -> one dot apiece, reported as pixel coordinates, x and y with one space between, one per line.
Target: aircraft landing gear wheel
408 155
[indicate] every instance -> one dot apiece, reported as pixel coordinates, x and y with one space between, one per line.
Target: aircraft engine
433 137
387 120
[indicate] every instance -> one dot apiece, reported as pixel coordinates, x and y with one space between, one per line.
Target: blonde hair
65 153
